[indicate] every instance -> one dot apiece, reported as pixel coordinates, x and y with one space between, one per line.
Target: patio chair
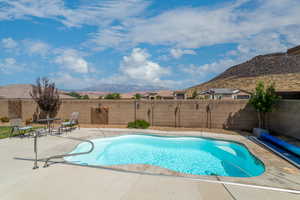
73 122
16 125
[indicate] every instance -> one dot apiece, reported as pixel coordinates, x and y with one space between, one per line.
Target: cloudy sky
171 43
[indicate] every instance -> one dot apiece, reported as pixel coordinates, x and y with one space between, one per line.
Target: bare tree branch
45 94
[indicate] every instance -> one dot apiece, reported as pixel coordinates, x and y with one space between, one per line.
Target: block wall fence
228 114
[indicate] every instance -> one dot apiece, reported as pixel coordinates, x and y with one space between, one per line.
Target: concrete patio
65 181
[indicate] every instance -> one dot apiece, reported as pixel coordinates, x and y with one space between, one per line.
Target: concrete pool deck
65 181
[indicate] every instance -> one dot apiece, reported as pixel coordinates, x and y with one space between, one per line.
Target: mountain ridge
123 88
283 69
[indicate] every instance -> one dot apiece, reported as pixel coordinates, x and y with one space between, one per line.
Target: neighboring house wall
223 96
179 96
240 95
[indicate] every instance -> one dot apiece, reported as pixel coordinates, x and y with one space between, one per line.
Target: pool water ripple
190 155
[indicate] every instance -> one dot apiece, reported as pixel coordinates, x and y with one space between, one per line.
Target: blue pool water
191 155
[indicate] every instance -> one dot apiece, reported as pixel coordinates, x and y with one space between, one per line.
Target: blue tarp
292 148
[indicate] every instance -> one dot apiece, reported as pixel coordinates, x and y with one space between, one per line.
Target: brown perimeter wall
229 114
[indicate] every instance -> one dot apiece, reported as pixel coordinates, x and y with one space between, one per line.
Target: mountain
283 69
21 91
123 88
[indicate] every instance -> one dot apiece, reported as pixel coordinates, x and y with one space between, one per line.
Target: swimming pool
190 155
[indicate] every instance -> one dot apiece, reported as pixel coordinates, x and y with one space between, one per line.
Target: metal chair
73 122
16 125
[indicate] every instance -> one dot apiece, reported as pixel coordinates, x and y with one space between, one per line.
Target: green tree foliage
78 96
264 100
85 97
137 96
113 96
195 94
75 94
158 97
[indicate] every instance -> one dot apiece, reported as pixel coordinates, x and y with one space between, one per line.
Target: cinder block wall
286 118
3 108
28 109
231 114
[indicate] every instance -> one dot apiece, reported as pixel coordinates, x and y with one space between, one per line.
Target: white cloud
9 43
201 72
71 59
94 12
112 37
177 53
10 65
37 47
203 26
138 67
292 34
264 43
67 81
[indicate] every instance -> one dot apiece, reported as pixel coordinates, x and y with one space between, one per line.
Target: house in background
179 94
163 94
224 93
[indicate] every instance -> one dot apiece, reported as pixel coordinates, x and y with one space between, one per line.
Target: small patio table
49 122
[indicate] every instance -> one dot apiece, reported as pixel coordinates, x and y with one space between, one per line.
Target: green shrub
140 124
263 100
4 119
74 94
85 97
112 96
137 96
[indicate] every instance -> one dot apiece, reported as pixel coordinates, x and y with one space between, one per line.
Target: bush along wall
139 124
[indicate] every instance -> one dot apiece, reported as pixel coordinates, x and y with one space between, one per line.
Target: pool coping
278 172
147 167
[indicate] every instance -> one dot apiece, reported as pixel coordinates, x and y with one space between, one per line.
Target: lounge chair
16 125
73 122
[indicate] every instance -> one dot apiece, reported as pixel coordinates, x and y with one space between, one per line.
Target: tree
264 100
158 97
74 94
113 96
85 97
137 96
45 94
195 94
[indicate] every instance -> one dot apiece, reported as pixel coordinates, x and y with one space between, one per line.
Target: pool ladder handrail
71 154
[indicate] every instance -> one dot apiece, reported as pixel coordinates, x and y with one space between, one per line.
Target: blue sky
171 43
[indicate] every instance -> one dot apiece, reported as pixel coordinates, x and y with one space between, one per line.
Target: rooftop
220 91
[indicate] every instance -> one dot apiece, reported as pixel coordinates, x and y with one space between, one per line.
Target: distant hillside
123 88
20 91
281 68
